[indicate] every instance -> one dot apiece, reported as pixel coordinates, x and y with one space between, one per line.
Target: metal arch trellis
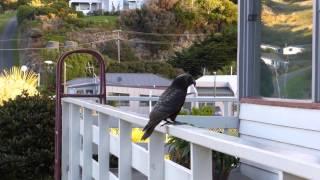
60 94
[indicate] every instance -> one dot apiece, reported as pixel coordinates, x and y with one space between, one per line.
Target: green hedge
27 138
25 12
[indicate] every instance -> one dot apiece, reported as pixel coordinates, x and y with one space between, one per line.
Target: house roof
222 81
124 79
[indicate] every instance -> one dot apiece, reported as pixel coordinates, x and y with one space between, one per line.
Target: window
81 91
121 103
286 63
89 91
146 103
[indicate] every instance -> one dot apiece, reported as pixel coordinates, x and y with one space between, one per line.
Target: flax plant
14 82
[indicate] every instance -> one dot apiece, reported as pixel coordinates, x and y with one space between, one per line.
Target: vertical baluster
201 163
104 146
125 172
156 156
226 113
74 150
286 176
65 141
87 144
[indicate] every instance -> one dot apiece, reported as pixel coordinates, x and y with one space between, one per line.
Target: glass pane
286 49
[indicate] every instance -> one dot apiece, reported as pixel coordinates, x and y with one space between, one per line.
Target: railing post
156 156
75 140
104 146
125 159
285 176
201 163
65 141
87 145
226 113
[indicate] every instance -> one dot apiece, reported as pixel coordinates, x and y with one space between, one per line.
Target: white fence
79 133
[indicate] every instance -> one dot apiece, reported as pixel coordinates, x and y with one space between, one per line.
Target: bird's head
183 81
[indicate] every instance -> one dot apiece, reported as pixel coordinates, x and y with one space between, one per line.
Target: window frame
248 44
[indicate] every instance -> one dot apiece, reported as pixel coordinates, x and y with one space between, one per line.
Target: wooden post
65 140
201 163
125 159
87 144
104 146
156 156
75 140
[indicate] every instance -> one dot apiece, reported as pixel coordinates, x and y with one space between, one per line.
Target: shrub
27 138
25 12
14 82
45 11
179 151
1 9
161 68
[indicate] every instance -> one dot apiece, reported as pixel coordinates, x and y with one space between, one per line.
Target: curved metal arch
60 94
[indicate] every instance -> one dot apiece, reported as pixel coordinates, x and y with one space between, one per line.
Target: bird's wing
169 103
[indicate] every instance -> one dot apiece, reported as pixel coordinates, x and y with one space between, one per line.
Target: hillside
287 21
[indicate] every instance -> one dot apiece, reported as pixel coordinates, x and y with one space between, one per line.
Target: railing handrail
235 146
188 99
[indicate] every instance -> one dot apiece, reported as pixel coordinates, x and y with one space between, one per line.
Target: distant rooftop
222 81
124 79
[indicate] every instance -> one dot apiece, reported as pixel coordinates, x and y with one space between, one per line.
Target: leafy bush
45 11
27 138
214 53
1 9
161 68
25 12
179 151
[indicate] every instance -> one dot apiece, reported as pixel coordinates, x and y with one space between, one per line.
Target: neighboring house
274 60
293 50
145 84
87 6
124 84
219 86
268 47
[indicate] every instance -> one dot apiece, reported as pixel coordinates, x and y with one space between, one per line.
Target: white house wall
288 128
134 105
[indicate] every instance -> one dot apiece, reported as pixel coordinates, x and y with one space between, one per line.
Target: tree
27 138
179 151
220 12
14 82
266 82
214 53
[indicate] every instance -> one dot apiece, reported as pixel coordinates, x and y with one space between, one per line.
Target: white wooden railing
80 132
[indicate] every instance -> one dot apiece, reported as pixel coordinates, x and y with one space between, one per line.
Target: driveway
9 32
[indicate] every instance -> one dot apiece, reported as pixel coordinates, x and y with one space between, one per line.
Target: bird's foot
180 123
167 123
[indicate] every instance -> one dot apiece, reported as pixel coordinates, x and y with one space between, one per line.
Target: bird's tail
148 131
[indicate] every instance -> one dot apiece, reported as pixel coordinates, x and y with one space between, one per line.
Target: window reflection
286 48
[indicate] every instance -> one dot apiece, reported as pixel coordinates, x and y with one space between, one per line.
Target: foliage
161 68
266 82
35 8
214 53
203 111
179 151
4 18
25 12
136 134
27 138
14 82
150 19
77 66
8 4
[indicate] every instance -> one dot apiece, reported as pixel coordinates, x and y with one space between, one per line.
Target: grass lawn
110 22
4 19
